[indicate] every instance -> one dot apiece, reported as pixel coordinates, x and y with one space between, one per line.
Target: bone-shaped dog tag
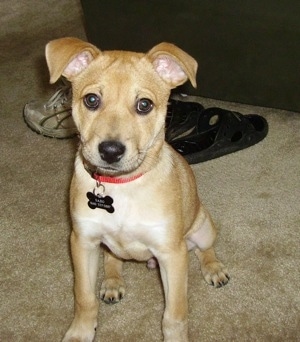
101 202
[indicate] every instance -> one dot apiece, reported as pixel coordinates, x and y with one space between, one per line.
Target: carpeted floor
253 196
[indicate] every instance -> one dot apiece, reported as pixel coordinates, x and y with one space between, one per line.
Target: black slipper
178 111
214 132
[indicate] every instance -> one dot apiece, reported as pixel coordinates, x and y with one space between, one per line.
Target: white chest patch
131 231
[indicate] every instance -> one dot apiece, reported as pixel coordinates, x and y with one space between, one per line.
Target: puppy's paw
70 337
81 331
175 330
215 274
112 290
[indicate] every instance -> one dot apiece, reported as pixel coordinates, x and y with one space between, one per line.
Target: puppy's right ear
68 57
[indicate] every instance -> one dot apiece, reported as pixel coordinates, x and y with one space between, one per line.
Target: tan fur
157 215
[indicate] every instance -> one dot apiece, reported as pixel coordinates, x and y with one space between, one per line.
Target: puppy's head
119 100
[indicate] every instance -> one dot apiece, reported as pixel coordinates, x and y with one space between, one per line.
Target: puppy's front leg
85 256
174 273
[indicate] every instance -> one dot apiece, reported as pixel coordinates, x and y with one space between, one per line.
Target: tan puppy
130 190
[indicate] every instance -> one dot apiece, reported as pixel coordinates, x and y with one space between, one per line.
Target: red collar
115 180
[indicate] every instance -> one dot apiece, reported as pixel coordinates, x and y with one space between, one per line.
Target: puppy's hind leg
214 272
113 287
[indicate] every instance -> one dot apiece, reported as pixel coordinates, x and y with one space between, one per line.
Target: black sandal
214 132
178 112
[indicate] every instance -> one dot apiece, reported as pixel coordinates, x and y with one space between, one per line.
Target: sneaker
54 118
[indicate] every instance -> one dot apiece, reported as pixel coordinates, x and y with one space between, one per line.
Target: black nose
111 151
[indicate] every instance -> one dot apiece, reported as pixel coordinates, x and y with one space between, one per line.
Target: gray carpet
253 196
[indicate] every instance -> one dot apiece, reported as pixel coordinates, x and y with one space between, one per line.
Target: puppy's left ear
68 57
173 65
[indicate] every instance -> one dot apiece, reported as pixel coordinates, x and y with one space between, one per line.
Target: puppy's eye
144 106
92 101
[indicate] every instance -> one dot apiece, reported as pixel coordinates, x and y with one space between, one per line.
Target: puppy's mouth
131 162
104 170
123 167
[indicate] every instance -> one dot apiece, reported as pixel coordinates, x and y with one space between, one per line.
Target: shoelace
62 96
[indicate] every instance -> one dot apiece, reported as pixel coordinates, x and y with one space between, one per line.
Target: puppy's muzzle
111 151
